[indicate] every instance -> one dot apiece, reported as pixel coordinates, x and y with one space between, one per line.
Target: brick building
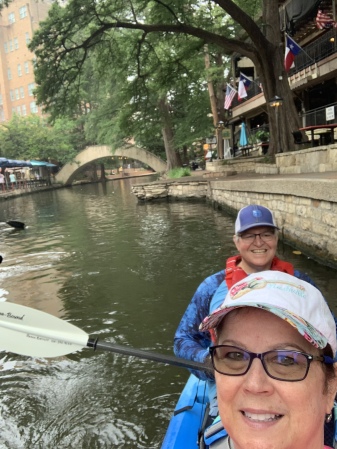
17 24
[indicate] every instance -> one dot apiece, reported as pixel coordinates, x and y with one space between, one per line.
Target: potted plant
262 135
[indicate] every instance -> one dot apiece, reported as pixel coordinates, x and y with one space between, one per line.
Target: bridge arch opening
91 154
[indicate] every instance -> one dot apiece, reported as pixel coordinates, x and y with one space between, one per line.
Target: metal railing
321 48
254 89
319 116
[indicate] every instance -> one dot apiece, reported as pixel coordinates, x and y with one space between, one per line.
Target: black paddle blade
16 224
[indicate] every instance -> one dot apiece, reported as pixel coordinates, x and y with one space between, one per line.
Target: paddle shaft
147 355
34 333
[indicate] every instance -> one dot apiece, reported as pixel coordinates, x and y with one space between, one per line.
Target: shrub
179 172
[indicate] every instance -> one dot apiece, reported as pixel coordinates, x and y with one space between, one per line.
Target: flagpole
302 49
252 81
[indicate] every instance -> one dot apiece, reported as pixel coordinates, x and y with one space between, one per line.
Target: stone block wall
310 160
171 189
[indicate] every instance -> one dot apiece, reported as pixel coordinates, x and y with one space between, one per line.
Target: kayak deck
183 429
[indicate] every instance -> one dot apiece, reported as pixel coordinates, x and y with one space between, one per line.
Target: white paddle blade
33 333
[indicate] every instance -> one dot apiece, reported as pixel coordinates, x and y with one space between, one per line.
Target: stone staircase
230 167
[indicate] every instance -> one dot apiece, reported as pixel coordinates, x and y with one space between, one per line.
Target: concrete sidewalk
317 186
205 174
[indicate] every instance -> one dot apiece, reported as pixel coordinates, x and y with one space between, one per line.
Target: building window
11 17
16 43
1 100
23 108
33 107
23 12
2 116
18 110
31 87
19 70
11 94
26 67
27 38
9 74
22 92
6 47
17 96
11 48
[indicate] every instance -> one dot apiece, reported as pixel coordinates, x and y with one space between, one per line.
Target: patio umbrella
243 136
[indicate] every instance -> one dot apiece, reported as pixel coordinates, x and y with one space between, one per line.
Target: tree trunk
167 132
93 170
216 100
102 178
284 119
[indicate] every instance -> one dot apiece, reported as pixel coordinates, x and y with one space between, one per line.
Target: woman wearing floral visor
274 346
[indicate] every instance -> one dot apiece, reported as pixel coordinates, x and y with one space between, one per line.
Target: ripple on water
64 404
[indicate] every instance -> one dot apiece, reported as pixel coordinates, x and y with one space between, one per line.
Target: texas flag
292 49
244 83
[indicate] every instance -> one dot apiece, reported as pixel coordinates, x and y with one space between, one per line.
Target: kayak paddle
33 333
16 224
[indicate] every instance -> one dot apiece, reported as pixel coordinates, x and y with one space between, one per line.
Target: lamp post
275 103
219 127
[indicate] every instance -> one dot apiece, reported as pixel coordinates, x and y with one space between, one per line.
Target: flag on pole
244 83
292 49
324 21
230 94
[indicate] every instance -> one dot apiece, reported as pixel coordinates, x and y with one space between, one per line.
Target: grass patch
179 172
268 160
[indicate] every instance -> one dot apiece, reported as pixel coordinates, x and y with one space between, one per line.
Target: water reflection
125 272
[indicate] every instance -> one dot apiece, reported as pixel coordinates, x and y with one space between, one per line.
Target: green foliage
262 135
179 172
32 138
116 80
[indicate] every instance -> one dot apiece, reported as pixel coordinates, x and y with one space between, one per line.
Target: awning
38 163
12 163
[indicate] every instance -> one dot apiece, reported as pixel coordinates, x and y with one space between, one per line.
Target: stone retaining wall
171 189
311 160
305 209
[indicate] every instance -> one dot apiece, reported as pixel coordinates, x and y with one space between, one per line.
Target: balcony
321 48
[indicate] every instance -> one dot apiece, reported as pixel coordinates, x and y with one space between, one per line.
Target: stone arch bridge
67 174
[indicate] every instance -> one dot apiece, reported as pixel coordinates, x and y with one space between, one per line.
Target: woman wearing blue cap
276 382
256 237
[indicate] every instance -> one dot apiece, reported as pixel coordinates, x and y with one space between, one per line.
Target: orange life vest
235 274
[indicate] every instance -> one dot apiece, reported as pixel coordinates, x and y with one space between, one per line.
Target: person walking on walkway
12 179
2 181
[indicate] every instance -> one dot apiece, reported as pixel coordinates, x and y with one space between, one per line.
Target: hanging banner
226 133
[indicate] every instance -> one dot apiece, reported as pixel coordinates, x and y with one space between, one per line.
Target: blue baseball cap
252 216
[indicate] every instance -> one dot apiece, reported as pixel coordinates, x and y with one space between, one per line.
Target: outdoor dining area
19 174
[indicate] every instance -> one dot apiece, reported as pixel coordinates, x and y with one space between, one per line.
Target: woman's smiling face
263 413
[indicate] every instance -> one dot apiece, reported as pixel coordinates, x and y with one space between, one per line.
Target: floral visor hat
293 300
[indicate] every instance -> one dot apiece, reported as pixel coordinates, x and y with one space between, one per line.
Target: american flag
324 21
230 94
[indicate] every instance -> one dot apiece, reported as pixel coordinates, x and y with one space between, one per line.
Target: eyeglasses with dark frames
285 364
266 236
